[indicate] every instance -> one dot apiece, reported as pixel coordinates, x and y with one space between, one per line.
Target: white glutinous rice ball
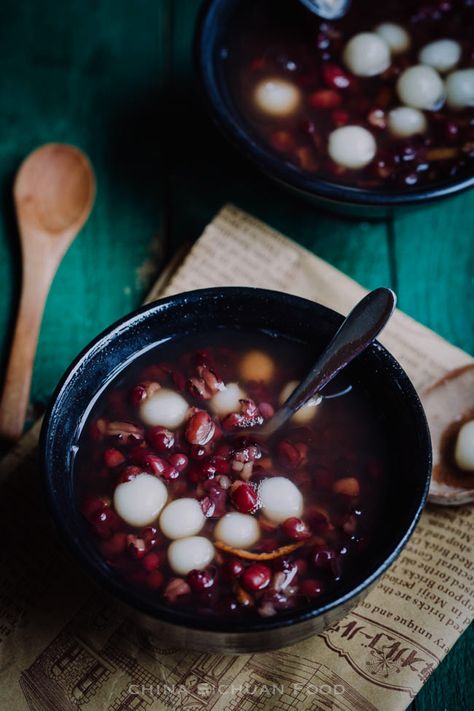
191 553
140 500
277 97
280 499
181 518
237 529
257 365
443 55
366 54
464 449
460 89
421 87
395 36
227 400
165 407
306 413
406 121
352 146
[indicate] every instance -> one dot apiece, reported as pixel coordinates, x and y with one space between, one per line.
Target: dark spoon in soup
355 334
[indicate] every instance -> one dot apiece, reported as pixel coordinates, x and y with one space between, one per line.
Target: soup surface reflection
184 499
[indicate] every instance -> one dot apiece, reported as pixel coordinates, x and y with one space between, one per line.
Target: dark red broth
338 461
283 40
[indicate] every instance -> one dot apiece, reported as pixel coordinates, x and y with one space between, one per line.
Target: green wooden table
116 78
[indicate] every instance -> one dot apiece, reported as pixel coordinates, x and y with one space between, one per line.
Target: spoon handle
38 273
356 332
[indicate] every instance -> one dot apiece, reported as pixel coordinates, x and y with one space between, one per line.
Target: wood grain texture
434 254
87 73
54 192
116 78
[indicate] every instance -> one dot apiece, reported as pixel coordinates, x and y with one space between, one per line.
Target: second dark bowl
213 24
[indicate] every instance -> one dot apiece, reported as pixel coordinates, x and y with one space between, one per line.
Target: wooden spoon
54 192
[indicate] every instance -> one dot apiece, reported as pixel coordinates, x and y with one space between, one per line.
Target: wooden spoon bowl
54 192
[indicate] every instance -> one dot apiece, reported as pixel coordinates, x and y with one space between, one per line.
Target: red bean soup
382 98
185 500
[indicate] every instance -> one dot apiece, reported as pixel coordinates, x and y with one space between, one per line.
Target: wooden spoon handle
14 401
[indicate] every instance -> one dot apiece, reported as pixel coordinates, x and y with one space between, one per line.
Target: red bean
335 77
234 567
92 505
179 461
105 522
129 473
296 529
200 429
256 577
244 497
201 580
288 454
160 438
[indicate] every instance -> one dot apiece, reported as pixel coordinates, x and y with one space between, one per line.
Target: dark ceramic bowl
210 38
247 308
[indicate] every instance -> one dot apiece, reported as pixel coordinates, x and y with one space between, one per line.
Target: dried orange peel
249 555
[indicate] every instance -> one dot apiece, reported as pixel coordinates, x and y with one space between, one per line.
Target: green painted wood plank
450 688
434 251
89 74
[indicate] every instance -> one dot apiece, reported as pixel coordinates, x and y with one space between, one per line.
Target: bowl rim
234 128
119 587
